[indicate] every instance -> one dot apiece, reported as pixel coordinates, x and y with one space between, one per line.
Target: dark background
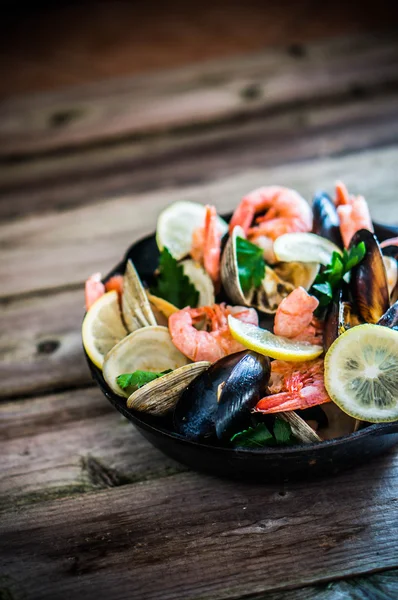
51 45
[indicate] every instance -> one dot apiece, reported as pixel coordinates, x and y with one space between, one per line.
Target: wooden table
88 508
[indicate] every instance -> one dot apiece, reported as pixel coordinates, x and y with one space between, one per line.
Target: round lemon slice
102 327
304 247
176 225
275 346
361 373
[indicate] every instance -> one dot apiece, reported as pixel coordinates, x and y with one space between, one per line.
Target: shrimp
94 288
390 242
206 245
294 386
213 344
294 317
287 212
353 213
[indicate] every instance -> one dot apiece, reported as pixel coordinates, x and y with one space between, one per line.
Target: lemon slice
361 373
275 346
304 247
176 225
102 327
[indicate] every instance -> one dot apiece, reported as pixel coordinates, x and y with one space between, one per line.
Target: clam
278 282
240 393
136 308
368 283
201 280
326 219
146 349
161 395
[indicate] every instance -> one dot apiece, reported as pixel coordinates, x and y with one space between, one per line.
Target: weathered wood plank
69 443
60 181
40 344
201 93
191 536
47 251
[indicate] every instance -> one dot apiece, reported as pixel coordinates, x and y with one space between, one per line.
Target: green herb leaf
138 378
331 278
253 437
251 264
355 256
172 285
283 432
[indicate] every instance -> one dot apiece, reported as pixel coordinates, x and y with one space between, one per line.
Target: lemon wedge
304 247
176 224
275 346
361 373
102 327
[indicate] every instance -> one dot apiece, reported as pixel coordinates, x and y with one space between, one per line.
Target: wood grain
44 252
90 175
198 94
218 540
70 443
40 344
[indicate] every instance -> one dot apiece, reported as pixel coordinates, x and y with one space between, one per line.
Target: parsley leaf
260 436
253 437
172 285
283 432
138 378
330 279
251 264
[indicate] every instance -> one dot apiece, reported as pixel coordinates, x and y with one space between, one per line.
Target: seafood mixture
278 328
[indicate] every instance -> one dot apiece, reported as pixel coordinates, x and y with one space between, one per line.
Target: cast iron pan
268 464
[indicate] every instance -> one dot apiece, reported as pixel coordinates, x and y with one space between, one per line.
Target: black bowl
261 465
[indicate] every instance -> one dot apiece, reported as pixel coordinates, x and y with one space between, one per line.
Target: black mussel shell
195 412
326 219
339 317
242 390
390 317
392 252
368 281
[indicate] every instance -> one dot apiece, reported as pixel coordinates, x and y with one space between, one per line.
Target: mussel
326 219
340 316
368 282
278 282
213 405
240 393
390 317
390 257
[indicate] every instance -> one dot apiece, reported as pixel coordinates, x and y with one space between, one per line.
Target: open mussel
278 281
326 219
240 393
339 317
390 317
390 257
219 401
369 286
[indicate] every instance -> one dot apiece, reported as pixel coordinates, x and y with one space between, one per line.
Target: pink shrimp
390 242
206 245
287 212
215 343
94 288
294 317
353 213
294 386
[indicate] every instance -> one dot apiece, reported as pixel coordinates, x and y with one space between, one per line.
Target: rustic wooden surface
88 509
